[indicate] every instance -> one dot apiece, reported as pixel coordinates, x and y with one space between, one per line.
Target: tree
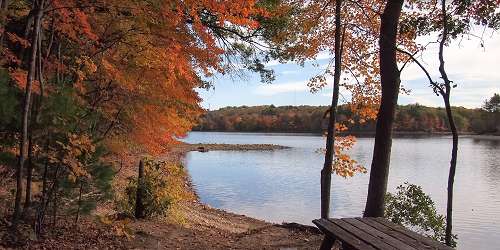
310 29
38 9
445 91
326 172
410 118
450 20
110 76
390 81
493 104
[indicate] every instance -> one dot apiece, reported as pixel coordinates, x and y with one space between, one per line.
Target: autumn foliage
101 82
88 87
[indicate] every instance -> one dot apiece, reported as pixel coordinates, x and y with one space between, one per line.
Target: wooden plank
375 232
336 232
416 236
396 234
359 233
385 235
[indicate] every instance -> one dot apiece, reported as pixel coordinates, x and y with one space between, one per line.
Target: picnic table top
375 233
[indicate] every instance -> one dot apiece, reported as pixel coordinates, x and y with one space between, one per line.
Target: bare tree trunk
35 107
326 172
451 122
54 203
29 172
59 60
40 215
390 81
4 5
451 175
79 202
139 205
38 5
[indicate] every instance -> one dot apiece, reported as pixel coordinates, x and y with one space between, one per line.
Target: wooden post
139 205
327 243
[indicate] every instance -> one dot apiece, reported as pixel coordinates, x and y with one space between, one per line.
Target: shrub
412 208
164 186
156 198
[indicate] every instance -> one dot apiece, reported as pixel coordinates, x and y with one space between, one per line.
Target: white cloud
464 58
274 63
320 56
324 55
476 71
280 88
289 72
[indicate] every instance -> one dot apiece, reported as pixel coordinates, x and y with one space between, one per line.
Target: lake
283 185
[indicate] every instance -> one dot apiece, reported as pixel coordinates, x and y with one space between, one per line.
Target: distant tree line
409 118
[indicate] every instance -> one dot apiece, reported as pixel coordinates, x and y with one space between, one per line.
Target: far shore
482 137
370 133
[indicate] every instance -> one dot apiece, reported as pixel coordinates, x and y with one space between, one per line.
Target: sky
475 70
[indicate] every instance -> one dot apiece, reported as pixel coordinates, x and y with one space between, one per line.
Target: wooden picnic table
373 233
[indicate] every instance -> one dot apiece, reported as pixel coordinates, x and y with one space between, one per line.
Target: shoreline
186 147
234 227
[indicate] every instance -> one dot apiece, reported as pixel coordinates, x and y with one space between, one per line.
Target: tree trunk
4 5
326 172
29 172
26 110
451 176
54 202
40 215
390 81
139 205
79 202
35 107
451 122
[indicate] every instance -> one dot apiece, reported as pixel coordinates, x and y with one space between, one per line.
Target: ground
209 228
204 228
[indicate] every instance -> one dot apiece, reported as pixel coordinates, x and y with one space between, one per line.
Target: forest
311 119
95 96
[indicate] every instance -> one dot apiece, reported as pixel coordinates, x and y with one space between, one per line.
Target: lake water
283 185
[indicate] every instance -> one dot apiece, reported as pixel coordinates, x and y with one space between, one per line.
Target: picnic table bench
372 233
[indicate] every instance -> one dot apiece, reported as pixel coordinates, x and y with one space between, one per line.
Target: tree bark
35 107
40 215
38 5
79 202
29 172
55 190
139 205
390 81
326 172
4 5
451 175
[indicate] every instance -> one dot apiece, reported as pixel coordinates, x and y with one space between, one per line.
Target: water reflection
283 185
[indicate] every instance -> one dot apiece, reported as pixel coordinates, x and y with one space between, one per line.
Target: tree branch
412 57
